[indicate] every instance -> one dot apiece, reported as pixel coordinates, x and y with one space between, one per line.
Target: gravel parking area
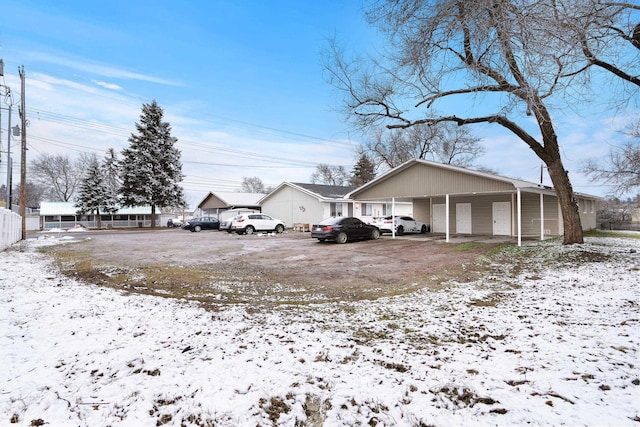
292 266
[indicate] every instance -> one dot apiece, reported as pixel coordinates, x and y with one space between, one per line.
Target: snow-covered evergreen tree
94 195
111 171
151 169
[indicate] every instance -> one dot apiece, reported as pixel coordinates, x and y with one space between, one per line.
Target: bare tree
35 194
506 61
445 143
59 174
330 175
613 213
253 185
622 168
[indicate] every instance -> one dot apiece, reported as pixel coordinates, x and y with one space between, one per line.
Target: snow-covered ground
550 347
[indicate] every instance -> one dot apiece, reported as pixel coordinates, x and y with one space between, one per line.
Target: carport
455 200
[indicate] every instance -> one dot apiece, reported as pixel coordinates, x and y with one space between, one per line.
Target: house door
463 218
439 218
501 218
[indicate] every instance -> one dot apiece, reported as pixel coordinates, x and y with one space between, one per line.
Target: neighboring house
463 201
300 205
65 215
214 204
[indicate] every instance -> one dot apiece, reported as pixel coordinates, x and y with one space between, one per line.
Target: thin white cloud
111 86
102 70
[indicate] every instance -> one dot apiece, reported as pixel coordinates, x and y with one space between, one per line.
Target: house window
336 209
367 209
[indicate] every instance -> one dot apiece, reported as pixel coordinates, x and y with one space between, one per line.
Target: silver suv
250 223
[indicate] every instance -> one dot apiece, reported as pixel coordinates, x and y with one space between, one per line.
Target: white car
403 224
250 223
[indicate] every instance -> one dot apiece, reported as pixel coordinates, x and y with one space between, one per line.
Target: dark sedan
342 229
202 223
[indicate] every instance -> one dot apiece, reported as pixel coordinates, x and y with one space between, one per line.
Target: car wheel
423 229
279 229
197 228
249 229
341 237
375 234
400 230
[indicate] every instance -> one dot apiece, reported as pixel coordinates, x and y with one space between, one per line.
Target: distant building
214 204
65 215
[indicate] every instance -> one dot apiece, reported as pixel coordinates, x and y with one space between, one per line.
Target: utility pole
23 160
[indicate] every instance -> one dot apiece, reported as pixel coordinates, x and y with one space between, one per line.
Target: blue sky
241 83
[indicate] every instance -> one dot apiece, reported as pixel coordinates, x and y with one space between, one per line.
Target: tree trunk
568 204
98 219
153 216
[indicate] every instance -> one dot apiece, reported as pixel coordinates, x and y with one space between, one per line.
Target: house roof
229 200
327 191
69 208
442 183
319 191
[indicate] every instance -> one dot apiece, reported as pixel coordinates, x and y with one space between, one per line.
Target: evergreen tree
111 171
94 196
151 169
363 171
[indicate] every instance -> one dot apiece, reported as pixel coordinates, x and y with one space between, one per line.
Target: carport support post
393 217
446 215
519 203
541 216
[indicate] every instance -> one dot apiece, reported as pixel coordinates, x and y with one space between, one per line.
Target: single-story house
300 205
456 200
214 204
65 215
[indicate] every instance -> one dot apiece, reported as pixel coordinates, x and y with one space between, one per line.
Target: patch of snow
551 347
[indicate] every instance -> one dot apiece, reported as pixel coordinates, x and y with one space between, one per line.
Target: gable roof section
320 191
423 178
327 191
230 200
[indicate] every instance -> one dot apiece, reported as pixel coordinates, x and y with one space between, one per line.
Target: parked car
202 223
403 224
250 223
226 224
174 222
343 229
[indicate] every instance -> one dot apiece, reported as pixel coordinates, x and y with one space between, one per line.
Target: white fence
10 228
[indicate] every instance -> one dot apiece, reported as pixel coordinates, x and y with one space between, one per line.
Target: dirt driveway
286 268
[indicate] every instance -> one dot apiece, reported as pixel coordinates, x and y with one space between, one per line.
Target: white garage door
439 218
501 218
463 218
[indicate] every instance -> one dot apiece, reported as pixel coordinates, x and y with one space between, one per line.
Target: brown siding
422 210
531 215
212 202
425 180
481 211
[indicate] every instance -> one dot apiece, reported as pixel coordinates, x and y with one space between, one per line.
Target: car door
268 223
411 226
357 230
257 221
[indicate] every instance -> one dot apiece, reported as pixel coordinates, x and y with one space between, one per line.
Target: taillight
240 220
327 228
